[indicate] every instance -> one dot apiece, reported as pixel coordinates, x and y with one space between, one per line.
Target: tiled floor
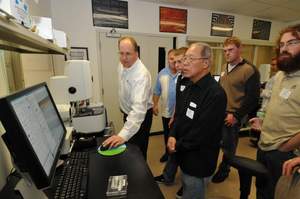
229 189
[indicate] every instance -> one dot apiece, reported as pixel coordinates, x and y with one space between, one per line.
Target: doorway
149 54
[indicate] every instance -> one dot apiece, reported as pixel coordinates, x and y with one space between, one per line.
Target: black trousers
141 138
273 161
165 122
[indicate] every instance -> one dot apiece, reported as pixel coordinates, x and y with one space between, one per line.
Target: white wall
75 18
143 18
39 7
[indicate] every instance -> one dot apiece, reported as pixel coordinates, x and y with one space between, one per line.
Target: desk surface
141 184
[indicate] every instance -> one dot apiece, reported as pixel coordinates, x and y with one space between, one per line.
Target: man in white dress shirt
135 97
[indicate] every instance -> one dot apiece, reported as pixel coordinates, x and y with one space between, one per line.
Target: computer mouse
104 148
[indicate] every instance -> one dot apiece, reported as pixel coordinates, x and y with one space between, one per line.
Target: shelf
15 37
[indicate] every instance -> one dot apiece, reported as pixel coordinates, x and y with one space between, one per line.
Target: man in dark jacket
199 115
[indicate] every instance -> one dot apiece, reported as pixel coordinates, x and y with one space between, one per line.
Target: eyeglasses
189 59
289 43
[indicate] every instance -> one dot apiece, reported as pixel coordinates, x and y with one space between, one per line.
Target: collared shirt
199 117
282 118
197 104
231 67
135 96
165 87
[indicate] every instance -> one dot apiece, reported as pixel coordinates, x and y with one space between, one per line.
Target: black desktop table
141 184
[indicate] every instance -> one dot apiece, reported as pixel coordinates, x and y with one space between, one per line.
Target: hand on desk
113 141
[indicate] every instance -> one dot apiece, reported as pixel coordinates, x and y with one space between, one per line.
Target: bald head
128 51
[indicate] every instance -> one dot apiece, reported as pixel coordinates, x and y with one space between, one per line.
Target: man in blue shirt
165 91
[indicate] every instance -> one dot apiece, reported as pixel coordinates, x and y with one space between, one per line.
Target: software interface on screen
41 124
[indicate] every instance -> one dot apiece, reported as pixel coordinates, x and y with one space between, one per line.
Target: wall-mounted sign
221 25
172 20
261 29
78 53
110 13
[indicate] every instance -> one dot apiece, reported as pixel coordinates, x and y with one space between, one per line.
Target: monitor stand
26 187
28 190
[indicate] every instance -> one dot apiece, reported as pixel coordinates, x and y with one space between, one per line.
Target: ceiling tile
272 2
280 14
250 8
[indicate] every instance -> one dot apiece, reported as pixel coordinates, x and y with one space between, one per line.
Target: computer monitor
34 132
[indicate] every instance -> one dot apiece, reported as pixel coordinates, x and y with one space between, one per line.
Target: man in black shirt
199 115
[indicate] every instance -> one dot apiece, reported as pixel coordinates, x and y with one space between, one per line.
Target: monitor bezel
21 147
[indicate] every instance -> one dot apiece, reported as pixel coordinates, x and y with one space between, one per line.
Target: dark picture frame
173 20
110 13
221 25
78 53
261 29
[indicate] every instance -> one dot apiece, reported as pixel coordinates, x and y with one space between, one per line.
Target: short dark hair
233 40
132 41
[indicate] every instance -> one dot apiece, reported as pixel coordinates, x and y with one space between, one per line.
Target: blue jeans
193 187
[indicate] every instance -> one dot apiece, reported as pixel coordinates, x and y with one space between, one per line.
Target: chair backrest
288 187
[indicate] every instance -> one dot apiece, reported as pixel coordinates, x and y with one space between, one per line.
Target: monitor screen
34 132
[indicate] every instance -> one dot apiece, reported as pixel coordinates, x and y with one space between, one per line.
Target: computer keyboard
72 180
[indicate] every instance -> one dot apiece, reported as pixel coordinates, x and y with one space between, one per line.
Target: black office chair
247 168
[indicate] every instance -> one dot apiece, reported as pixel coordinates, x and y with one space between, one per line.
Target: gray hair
206 50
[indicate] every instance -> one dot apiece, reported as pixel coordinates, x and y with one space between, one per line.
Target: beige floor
229 189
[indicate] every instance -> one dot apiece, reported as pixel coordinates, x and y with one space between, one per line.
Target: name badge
189 113
182 87
192 104
285 93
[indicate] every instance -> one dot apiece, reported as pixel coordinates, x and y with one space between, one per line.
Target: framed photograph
110 13
221 25
78 53
172 20
261 29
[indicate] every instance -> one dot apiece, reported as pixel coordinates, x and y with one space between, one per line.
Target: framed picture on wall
110 13
172 20
261 29
78 53
221 25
